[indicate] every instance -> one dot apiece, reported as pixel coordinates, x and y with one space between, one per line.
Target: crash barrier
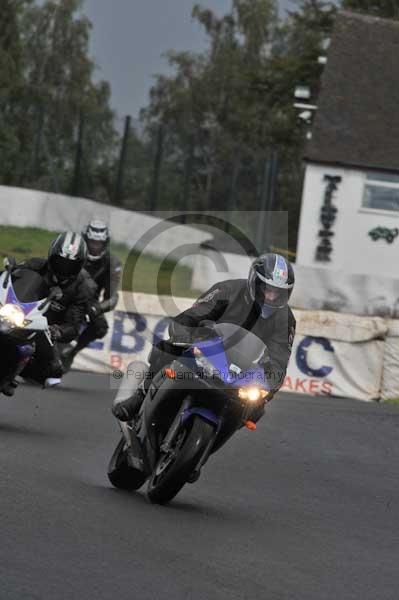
390 376
31 208
332 355
337 355
330 290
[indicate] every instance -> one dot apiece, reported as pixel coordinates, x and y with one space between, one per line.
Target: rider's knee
100 328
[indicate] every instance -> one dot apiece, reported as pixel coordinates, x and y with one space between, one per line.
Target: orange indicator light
250 425
170 373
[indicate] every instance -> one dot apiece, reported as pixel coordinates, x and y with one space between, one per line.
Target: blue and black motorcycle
191 409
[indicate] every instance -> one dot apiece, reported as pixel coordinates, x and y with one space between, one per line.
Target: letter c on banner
160 330
302 356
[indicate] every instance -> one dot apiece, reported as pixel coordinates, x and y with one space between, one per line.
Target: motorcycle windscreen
29 286
242 348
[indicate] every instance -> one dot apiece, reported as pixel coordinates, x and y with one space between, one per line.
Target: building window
381 192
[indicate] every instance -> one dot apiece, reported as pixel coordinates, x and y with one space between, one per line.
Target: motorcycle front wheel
175 466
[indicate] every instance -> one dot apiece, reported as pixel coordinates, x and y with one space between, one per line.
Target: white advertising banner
323 367
333 355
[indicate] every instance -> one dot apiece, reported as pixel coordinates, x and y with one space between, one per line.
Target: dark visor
65 267
95 247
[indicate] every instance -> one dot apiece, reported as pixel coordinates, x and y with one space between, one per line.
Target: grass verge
152 275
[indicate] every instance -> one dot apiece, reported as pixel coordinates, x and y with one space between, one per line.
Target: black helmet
66 256
270 282
96 236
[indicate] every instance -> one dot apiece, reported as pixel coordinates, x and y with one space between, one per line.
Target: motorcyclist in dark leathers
105 270
64 269
258 304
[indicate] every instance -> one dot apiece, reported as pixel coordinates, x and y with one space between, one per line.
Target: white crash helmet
97 237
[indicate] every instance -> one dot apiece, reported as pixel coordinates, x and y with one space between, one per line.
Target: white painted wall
211 266
353 250
55 212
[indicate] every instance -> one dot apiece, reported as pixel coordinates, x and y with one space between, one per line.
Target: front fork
185 412
174 428
24 355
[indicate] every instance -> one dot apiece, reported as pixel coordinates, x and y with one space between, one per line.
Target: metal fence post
122 162
78 157
157 169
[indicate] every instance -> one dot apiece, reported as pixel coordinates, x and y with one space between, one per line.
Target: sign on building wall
327 217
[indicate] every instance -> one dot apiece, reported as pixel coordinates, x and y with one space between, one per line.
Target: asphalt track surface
306 507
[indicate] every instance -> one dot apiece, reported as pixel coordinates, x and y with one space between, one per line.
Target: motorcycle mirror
9 265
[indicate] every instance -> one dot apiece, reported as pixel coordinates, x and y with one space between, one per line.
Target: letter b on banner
138 326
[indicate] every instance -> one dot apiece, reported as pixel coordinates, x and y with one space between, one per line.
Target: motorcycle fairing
205 413
11 298
31 309
213 350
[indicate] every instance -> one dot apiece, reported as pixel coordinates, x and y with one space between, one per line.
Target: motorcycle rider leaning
105 270
64 269
258 304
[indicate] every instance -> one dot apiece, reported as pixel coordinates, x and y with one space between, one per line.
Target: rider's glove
55 333
94 311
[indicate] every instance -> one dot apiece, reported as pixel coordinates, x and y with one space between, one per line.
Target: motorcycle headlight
13 314
252 394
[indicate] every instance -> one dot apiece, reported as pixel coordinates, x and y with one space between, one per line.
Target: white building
350 204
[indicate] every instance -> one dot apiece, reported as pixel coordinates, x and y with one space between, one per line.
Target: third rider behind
105 270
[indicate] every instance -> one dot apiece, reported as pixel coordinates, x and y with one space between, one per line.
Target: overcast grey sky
129 37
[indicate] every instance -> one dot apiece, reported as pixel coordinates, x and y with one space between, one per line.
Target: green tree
54 91
388 9
59 82
11 77
303 38
211 106
232 105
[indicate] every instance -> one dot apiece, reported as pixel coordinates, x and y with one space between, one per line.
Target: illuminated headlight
252 394
13 314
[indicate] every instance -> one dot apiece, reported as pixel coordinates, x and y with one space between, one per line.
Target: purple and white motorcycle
191 409
24 300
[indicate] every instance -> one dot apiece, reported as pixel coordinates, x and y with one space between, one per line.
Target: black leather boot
9 388
67 356
127 409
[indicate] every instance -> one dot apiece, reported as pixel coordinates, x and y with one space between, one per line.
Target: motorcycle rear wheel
174 467
120 474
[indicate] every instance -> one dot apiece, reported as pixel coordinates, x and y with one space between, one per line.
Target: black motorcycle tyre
120 474
197 436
